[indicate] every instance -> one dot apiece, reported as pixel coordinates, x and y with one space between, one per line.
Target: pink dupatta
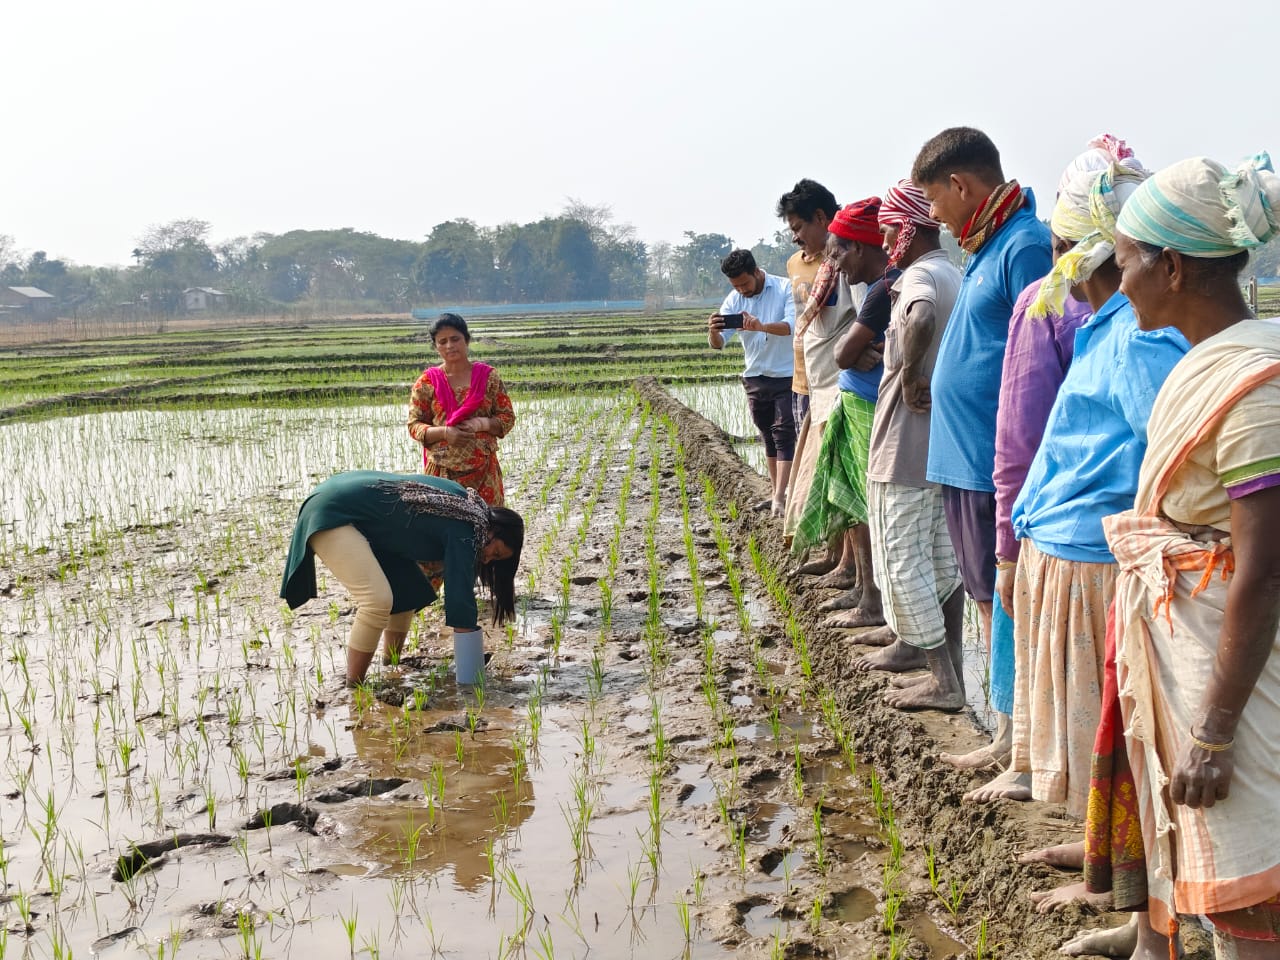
454 412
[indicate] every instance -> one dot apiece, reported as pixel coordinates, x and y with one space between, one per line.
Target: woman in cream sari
1198 591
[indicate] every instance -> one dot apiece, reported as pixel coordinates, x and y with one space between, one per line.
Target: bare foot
901 682
857 617
1050 901
841 601
925 696
1106 942
879 637
841 578
1067 856
984 758
1010 785
898 657
812 568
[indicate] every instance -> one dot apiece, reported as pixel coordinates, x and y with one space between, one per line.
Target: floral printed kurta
474 462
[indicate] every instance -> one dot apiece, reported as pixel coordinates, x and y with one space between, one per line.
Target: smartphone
731 321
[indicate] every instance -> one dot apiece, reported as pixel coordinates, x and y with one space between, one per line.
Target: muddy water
590 798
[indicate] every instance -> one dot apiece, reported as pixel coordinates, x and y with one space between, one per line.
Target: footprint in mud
358 788
113 938
290 773
152 855
282 813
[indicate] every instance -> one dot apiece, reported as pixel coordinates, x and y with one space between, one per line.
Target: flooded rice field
648 766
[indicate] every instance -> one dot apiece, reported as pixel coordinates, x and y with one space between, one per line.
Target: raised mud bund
668 755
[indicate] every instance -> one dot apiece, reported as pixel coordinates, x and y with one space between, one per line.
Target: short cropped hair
737 263
805 199
957 150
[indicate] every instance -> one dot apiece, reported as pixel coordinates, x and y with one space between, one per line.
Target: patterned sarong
1114 858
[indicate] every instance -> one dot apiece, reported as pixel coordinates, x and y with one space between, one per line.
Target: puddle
763 921
768 822
854 906
940 945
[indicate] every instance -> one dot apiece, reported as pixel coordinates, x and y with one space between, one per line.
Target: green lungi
838 496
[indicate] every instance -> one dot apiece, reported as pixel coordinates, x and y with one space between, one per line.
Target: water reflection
460 808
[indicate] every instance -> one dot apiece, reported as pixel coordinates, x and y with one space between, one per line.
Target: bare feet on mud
1109 942
841 578
898 657
848 600
925 696
879 637
901 682
1010 785
984 758
855 618
1050 901
994 756
1065 856
812 568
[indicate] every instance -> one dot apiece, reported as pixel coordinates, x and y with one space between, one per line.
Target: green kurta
400 538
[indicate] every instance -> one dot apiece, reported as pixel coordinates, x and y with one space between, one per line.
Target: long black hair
499 576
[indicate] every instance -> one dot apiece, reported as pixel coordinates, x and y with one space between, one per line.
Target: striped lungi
915 564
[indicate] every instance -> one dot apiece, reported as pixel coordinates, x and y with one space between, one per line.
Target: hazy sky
391 116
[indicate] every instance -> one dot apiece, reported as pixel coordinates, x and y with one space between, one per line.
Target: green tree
697 263
456 264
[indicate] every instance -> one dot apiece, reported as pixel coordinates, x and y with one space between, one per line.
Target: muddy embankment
979 842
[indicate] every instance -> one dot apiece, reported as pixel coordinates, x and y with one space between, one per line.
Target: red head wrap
857 221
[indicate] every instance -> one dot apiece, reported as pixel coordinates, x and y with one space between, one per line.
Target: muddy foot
879 637
857 617
842 601
1113 942
811 568
841 578
898 657
1010 785
901 682
1066 856
925 696
989 757
1050 901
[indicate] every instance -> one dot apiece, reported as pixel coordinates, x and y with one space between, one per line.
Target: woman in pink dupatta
458 411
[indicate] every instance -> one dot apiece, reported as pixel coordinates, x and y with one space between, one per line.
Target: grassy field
339 361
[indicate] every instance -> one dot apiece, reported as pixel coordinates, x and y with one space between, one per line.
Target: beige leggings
346 553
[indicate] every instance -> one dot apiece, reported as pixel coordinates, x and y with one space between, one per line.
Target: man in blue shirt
994 220
768 320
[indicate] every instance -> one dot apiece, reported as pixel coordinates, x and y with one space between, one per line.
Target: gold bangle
1211 747
1006 564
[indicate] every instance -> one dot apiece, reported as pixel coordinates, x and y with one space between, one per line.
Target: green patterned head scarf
1086 212
1201 209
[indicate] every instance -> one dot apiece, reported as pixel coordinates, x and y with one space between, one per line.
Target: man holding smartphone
762 314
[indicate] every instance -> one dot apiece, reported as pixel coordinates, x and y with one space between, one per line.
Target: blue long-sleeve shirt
1096 436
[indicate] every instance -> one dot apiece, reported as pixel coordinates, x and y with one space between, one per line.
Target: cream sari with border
1171 594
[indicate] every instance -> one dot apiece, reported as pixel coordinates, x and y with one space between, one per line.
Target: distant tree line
580 254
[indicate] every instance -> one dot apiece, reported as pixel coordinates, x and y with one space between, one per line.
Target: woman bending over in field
458 411
384 535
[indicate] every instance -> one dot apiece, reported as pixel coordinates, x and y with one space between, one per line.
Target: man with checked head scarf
913 557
